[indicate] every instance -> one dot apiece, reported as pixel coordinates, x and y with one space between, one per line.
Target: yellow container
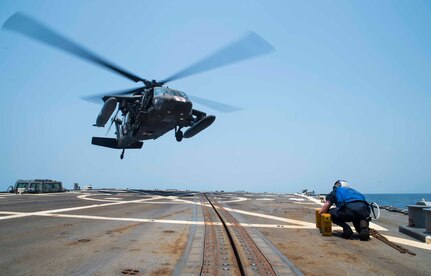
318 218
326 225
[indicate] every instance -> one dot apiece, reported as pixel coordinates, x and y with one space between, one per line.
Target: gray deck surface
106 232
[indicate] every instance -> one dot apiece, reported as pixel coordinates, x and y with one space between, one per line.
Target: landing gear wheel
179 135
122 154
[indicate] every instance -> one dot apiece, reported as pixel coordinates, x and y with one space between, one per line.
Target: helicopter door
147 100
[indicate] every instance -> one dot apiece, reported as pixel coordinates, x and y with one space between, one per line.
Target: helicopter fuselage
149 115
165 112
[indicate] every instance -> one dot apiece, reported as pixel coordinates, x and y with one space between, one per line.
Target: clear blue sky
346 95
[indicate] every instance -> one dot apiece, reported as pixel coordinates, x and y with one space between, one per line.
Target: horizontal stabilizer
113 143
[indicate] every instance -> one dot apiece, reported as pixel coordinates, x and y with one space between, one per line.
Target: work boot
364 233
347 233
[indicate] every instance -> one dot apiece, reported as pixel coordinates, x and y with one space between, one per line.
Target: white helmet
341 183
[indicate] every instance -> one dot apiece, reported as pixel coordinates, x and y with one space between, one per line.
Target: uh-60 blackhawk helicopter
151 110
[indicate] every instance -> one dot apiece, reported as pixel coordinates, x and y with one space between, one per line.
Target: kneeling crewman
351 206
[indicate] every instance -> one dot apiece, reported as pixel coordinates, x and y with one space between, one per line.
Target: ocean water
396 200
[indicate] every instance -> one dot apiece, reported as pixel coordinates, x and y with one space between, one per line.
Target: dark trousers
351 212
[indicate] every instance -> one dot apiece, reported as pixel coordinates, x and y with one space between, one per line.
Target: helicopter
153 109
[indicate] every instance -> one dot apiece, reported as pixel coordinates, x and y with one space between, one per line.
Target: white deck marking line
174 200
41 194
165 202
416 244
304 203
293 221
287 226
235 200
317 201
99 205
377 227
296 199
265 198
168 221
12 215
198 203
84 197
73 208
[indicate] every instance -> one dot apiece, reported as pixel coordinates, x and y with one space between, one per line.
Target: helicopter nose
178 104
180 99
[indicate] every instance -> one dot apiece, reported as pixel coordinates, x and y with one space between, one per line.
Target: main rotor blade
214 105
98 99
247 47
30 27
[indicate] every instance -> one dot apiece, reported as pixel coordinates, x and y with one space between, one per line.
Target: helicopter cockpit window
161 91
182 94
